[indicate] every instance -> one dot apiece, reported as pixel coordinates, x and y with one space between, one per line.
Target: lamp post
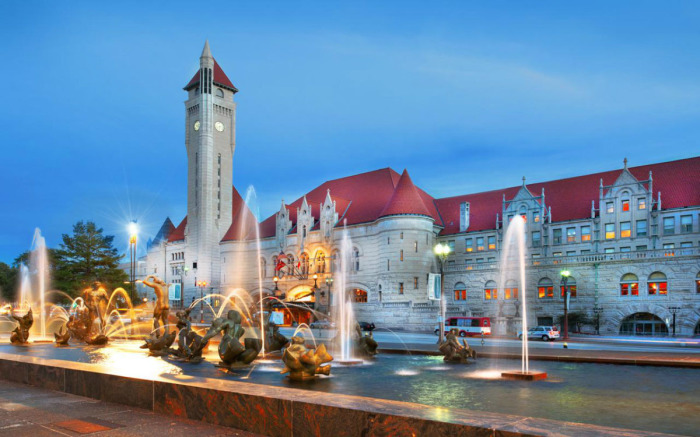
133 237
597 310
564 279
441 251
201 285
674 310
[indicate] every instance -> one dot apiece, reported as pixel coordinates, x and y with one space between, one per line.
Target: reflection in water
636 397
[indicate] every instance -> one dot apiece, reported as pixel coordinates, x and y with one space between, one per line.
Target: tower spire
206 52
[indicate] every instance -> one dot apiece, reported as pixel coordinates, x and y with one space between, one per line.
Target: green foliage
576 321
8 279
85 257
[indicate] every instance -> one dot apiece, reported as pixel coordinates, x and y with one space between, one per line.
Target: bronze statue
366 344
62 336
190 344
20 335
162 308
95 299
455 352
159 346
231 351
274 339
79 326
302 363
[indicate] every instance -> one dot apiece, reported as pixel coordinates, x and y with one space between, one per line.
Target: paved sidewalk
35 412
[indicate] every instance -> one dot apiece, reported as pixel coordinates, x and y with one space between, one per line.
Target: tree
576 321
85 257
8 279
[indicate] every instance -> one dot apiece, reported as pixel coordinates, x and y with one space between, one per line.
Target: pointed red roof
405 200
220 79
242 220
179 233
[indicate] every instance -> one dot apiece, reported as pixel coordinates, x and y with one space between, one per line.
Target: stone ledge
280 411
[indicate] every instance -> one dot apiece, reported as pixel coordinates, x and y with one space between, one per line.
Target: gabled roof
220 79
405 199
179 233
360 198
570 198
242 220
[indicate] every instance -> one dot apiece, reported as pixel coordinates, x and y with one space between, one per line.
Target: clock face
219 126
196 125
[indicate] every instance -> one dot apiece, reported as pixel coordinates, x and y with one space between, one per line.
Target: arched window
697 283
356 259
545 289
643 324
263 268
570 285
290 264
490 290
304 263
657 284
320 261
523 212
460 291
629 285
360 295
219 93
511 291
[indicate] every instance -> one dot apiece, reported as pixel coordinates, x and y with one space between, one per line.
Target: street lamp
564 279
133 237
315 281
674 310
441 251
201 285
597 310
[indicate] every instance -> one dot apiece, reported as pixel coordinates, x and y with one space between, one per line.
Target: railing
584 259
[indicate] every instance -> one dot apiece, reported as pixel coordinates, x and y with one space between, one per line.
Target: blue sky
468 96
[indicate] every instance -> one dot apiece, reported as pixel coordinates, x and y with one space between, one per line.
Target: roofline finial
523 181
625 162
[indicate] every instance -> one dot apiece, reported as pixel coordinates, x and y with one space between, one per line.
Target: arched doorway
643 324
299 303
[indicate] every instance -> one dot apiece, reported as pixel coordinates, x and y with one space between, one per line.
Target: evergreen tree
7 282
85 257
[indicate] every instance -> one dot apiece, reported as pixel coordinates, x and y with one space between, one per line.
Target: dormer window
220 93
625 205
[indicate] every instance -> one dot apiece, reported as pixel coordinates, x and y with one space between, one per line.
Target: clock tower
210 139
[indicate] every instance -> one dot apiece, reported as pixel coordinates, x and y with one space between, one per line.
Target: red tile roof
405 200
242 220
179 233
570 199
220 79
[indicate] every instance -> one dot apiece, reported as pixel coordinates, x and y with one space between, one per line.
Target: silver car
546 333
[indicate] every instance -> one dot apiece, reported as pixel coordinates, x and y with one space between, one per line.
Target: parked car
366 326
322 324
546 333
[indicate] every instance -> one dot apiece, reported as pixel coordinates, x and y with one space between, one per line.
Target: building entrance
643 324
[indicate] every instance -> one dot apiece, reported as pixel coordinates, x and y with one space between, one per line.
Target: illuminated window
360 295
625 205
415 282
556 236
669 225
625 229
490 290
511 290
536 217
304 261
480 243
400 287
536 239
401 255
320 261
468 244
641 228
629 285
686 224
492 243
610 207
641 203
570 235
460 291
556 254
545 289
570 285
609 231
585 233
657 284
697 283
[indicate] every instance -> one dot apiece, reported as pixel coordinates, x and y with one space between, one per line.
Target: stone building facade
630 239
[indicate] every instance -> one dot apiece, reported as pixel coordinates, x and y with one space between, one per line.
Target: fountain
515 236
302 363
455 352
342 311
190 344
231 351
